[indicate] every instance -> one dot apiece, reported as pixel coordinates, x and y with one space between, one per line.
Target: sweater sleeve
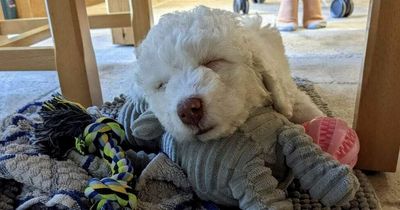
325 178
255 188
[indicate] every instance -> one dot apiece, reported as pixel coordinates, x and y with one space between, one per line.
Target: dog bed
161 185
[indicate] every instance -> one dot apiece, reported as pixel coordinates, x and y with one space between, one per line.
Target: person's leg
287 16
312 16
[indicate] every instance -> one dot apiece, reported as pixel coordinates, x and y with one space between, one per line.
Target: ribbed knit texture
143 131
233 170
325 178
246 168
366 198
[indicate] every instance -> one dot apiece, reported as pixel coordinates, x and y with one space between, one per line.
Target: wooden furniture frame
72 55
30 8
1 13
377 116
125 36
37 8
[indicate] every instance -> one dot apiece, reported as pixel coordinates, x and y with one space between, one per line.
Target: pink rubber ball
335 137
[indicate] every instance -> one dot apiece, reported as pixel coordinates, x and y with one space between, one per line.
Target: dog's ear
270 62
273 84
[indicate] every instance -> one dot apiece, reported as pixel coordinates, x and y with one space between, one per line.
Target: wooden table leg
2 18
75 59
122 36
377 118
1 13
142 19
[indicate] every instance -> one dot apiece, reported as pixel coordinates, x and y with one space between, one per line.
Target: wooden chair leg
75 59
142 19
377 118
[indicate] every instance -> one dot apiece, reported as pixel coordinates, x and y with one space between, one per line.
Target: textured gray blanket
30 180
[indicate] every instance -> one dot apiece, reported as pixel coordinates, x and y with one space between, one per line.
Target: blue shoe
317 24
286 26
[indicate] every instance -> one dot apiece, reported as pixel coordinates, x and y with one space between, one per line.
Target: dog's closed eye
161 86
214 64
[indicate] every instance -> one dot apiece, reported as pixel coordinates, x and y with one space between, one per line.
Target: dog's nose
190 111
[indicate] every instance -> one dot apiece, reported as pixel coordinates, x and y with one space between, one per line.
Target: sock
287 16
312 16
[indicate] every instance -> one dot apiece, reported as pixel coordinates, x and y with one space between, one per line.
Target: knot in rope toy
104 135
110 193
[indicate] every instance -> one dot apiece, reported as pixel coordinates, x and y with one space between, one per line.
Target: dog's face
197 73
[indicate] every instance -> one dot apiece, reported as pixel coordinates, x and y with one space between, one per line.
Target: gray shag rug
365 199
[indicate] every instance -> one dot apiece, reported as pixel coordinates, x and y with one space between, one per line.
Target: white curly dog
203 71
210 77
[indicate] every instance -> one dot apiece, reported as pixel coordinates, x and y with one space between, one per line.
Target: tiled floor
331 58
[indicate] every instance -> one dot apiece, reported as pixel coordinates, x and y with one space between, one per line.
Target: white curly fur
246 68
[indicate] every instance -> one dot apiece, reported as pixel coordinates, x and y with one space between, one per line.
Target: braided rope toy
104 135
65 121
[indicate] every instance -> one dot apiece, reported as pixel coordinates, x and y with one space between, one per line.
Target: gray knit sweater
249 169
234 171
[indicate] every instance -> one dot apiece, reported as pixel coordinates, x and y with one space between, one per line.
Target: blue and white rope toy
66 126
